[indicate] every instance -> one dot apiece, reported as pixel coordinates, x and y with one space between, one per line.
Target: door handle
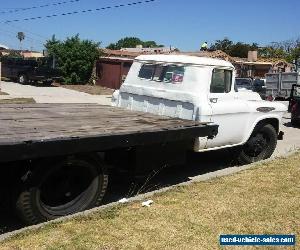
213 100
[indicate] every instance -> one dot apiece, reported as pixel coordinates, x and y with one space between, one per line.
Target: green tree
272 52
127 42
238 49
21 37
241 49
224 45
151 44
75 57
288 50
132 42
293 55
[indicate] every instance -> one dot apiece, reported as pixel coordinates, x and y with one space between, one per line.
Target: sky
184 24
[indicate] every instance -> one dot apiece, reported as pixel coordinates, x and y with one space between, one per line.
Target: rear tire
63 188
260 145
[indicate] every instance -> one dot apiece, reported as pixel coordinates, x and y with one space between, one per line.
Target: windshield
258 82
243 83
296 91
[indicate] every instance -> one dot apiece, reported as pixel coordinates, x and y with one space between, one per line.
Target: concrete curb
142 197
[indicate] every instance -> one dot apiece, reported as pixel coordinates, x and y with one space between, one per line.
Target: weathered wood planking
36 130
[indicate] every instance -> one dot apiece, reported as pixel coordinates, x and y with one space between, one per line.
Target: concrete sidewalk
50 94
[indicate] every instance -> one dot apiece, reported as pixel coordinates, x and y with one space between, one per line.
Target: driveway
50 94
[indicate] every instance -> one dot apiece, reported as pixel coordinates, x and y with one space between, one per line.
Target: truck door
228 111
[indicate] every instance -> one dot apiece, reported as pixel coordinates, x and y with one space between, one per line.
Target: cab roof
184 59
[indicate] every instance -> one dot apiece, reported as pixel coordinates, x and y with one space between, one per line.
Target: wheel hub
256 145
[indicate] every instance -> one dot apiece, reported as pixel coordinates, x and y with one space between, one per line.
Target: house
23 53
113 66
111 71
256 67
3 47
252 66
152 50
31 54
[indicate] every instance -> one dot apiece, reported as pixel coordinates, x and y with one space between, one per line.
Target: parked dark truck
30 70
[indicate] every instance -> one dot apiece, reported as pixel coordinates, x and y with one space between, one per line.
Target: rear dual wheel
62 188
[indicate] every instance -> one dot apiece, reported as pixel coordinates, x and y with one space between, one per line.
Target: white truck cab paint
202 89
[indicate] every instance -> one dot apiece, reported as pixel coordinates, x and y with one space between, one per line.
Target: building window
221 81
162 73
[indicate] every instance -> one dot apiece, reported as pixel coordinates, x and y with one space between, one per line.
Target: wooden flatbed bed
30 131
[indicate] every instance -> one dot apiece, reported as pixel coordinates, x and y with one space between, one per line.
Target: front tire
22 79
260 145
60 189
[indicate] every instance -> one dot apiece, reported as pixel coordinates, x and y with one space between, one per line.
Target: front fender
268 118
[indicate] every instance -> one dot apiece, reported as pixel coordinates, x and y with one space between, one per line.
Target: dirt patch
3 93
89 89
262 200
17 101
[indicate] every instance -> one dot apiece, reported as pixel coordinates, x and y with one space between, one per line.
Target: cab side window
162 73
221 81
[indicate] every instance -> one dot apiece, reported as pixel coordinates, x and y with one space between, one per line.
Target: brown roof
218 54
212 54
119 53
261 60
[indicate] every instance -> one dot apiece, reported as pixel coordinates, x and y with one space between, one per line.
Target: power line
18 28
79 12
15 34
30 42
39 6
28 38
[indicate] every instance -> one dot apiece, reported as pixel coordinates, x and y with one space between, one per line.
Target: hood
267 106
249 95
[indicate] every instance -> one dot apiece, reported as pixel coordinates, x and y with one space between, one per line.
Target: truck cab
202 89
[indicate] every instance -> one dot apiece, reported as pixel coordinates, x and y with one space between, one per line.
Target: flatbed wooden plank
31 130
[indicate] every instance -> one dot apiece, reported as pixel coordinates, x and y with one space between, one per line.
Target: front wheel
260 145
22 79
67 187
47 83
